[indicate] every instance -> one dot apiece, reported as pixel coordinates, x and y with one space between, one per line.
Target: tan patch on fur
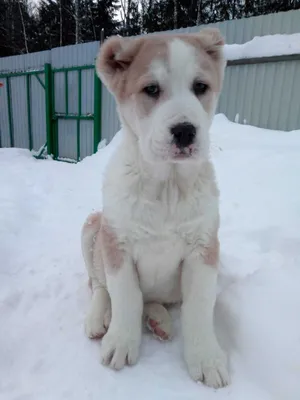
94 218
211 253
113 253
209 58
124 63
92 222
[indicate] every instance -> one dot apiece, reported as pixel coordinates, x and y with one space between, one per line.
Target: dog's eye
199 88
152 90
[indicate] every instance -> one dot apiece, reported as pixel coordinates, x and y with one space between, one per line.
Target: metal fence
263 92
52 92
53 100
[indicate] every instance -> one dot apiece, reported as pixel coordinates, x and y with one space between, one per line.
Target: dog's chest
158 263
166 215
154 233
159 228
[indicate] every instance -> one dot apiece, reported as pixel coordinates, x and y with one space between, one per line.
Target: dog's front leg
205 360
122 342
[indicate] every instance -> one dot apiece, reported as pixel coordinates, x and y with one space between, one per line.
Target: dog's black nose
183 134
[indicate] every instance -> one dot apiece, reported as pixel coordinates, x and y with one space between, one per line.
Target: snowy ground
43 292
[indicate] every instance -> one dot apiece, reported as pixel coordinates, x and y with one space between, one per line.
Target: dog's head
167 88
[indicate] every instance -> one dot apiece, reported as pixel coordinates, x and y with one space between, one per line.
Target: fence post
97 111
28 85
10 117
79 114
49 109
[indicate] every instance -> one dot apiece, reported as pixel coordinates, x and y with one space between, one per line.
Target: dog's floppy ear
114 58
212 41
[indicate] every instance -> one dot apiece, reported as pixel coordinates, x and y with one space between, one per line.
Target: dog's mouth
182 153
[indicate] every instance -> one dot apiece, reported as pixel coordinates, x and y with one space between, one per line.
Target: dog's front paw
118 349
96 325
208 365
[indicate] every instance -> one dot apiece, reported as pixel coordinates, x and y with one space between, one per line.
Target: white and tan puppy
156 240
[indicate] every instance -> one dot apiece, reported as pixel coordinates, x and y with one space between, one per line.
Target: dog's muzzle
183 134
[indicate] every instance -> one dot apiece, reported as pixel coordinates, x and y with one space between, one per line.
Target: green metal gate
51 147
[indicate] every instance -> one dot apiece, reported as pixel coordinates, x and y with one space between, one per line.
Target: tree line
27 25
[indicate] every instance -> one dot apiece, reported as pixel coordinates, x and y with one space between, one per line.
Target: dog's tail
89 233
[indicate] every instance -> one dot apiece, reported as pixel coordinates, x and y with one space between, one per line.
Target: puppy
156 240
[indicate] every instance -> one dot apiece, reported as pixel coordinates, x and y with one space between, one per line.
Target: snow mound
264 46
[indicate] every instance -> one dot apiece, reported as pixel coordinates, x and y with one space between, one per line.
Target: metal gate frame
52 126
51 117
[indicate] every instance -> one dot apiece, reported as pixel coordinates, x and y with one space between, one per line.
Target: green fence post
97 111
49 109
28 84
66 92
79 114
10 118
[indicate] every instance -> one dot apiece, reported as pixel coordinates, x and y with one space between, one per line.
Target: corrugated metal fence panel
25 62
265 95
242 30
37 60
38 112
67 139
19 112
74 55
86 138
4 121
110 121
59 92
87 91
87 107
72 88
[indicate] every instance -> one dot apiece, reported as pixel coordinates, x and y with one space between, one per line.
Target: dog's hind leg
158 321
99 315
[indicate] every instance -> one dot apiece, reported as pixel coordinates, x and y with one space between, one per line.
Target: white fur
122 342
164 214
204 357
98 317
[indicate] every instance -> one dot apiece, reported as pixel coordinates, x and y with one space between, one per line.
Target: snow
43 284
264 46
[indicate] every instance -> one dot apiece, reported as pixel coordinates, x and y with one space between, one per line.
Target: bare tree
199 11
77 22
142 5
60 24
125 13
92 21
175 14
23 26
